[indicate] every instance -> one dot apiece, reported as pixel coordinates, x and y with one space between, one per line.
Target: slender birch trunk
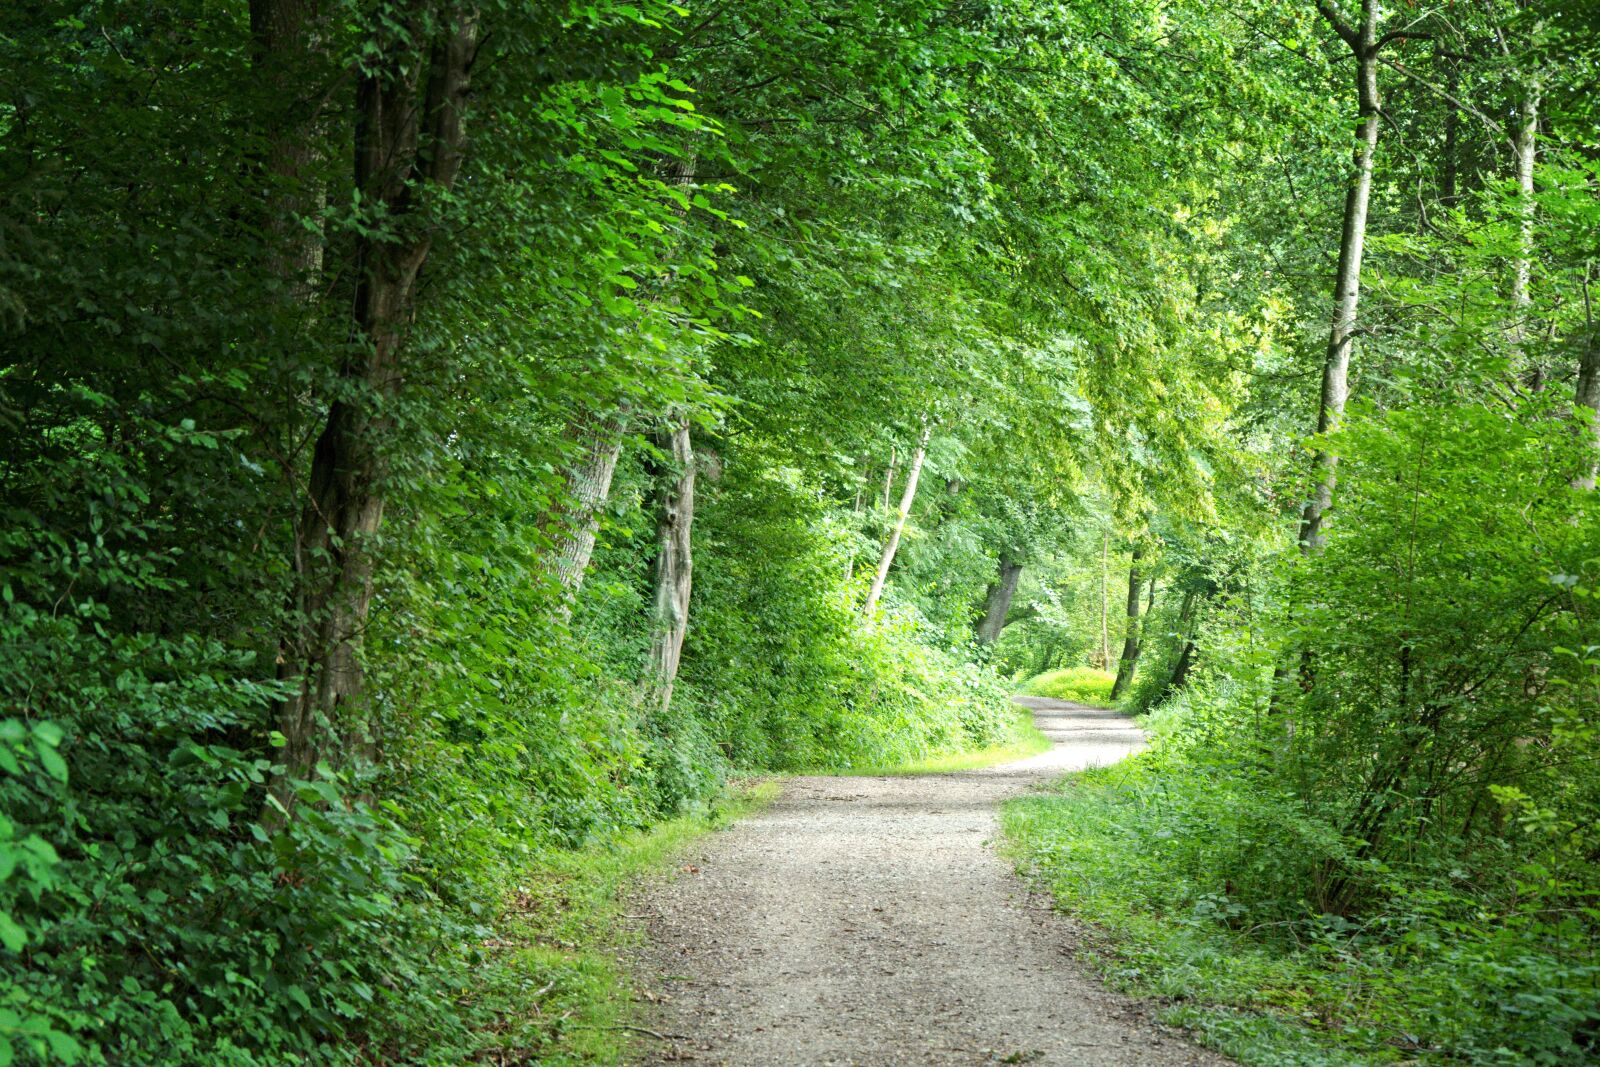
1363 43
907 498
1105 602
997 602
1129 660
674 565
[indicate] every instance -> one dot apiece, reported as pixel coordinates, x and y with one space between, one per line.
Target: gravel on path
870 921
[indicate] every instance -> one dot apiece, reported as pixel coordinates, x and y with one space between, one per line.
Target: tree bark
674 565
1363 43
572 527
408 136
1129 661
997 603
892 544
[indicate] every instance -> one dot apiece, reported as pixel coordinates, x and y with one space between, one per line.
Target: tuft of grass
1081 685
552 970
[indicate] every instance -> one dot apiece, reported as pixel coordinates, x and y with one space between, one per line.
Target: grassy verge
1248 1001
555 973
1025 741
1136 850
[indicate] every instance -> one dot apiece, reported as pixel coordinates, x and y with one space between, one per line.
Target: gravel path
869 921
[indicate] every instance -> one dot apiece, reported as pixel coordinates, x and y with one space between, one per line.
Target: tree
908 496
1364 43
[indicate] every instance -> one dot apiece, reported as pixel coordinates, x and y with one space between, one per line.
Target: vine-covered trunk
892 543
408 134
997 604
1363 43
1129 661
669 612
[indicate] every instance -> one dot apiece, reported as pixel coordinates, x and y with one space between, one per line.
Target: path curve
870 922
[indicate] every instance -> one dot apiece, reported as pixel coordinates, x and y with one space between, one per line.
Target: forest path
870 921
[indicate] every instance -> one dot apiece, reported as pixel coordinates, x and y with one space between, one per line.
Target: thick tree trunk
408 135
892 544
1363 43
1129 661
998 601
674 566
286 54
572 527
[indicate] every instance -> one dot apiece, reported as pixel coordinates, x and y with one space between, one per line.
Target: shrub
1083 685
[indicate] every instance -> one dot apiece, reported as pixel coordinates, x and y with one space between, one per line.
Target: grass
1028 741
1081 685
555 968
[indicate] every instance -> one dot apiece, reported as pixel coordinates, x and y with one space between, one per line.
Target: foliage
1082 685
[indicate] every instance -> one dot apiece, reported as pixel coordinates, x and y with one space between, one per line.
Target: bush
1082 685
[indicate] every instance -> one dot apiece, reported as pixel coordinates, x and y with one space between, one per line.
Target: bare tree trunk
1363 43
408 136
1131 639
892 544
572 526
888 478
674 566
998 601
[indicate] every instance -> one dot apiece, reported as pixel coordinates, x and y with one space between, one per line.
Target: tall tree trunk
1452 131
1103 656
1588 391
572 527
1527 145
596 439
892 544
1131 639
674 565
998 601
408 136
1186 651
1363 43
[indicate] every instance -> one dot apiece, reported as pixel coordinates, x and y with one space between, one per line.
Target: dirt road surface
871 922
